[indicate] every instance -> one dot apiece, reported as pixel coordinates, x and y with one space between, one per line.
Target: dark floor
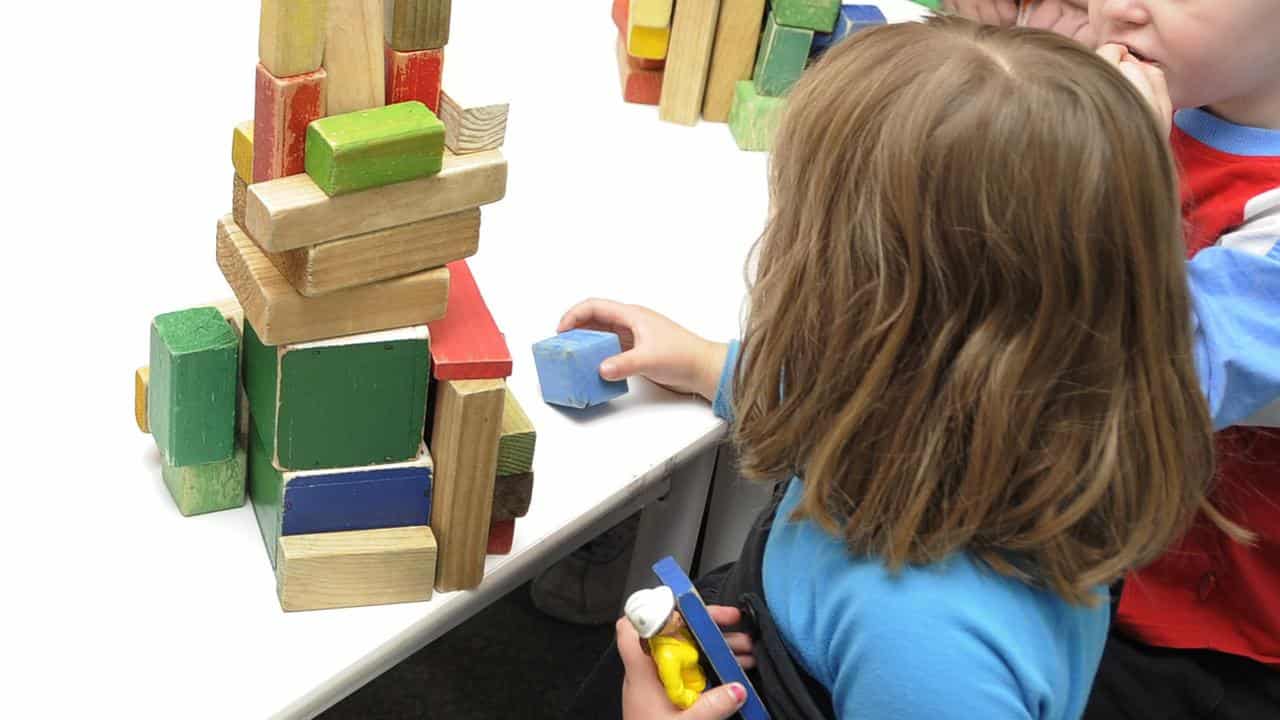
509 661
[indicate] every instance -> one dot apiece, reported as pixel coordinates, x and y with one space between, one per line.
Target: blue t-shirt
950 640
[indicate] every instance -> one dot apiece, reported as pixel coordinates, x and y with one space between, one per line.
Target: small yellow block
140 381
242 150
647 42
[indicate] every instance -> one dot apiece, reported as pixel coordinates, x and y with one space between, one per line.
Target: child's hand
987 12
653 346
740 643
644 699
1065 17
1148 78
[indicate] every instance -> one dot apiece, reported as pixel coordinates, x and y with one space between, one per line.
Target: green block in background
191 399
206 488
345 402
754 118
783 54
370 148
817 15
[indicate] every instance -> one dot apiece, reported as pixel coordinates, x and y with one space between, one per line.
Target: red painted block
621 11
282 110
501 535
466 343
638 85
415 75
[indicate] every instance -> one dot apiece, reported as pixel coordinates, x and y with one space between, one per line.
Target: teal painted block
754 118
370 148
344 402
817 15
783 54
191 399
198 489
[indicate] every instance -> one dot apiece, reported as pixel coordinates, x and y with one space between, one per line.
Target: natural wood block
817 15
466 343
512 495
239 198
141 379
502 535
191 402
651 13
353 55
291 36
360 567
471 128
754 118
280 315
515 445
282 110
639 86
376 147
242 150
206 488
417 24
693 30
380 255
784 53
464 441
733 54
294 212
415 75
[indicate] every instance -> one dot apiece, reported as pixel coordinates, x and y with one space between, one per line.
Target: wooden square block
417 24
353 56
282 110
361 567
415 75
640 86
466 343
819 15
733 55
502 534
512 495
291 36
206 488
371 148
569 368
239 199
754 118
471 128
242 150
784 53
693 29
141 379
516 444
192 391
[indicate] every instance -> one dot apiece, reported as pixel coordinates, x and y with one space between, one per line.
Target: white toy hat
648 610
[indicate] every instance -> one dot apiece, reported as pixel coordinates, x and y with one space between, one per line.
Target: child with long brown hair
968 355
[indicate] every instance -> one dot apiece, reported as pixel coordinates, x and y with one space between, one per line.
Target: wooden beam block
291 36
242 150
415 75
515 446
693 29
502 535
282 109
355 421
371 148
512 495
852 19
819 15
754 118
733 55
569 368
639 85
784 53
191 402
280 315
472 127
350 569
380 255
141 379
466 343
294 212
239 199
417 24
206 488
353 55
464 440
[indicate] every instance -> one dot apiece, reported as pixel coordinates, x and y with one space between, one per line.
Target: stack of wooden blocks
346 251
726 60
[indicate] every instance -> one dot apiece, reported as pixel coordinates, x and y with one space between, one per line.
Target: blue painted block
708 635
569 368
380 496
851 19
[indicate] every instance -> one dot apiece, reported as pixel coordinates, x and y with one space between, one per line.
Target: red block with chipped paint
638 85
282 110
415 75
466 343
621 11
501 536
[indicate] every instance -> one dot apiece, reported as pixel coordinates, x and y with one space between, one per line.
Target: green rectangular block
817 15
343 402
783 54
191 400
266 489
198 489
370 148
754 118
518 438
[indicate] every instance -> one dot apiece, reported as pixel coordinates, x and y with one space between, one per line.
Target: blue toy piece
708 635
569 368
329 501
851 19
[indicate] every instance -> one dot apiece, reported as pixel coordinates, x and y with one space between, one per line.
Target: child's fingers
717 704
724 615
1007 11
639 666
739 643
1113 53
595 311
624 365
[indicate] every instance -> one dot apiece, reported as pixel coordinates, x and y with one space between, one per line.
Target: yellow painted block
647 42
141 379
242 150
651 13
291 36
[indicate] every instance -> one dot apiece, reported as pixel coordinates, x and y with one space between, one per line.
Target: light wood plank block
732 55
417 24
464 442
281 315
291 36
294 212
282 110
355 568
353 55
239 198
693 29
474 103
242 150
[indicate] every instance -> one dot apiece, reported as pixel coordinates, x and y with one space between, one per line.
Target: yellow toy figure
667 640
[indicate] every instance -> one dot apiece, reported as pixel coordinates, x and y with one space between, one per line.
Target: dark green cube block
783 54
817 15
191 400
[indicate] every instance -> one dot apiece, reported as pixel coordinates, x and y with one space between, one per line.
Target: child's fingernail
607 368
739 693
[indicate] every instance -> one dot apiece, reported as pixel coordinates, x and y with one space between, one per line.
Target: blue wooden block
569 368
397 495
708 635
851 19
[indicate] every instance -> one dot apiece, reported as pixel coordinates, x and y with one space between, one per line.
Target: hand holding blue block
569 368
